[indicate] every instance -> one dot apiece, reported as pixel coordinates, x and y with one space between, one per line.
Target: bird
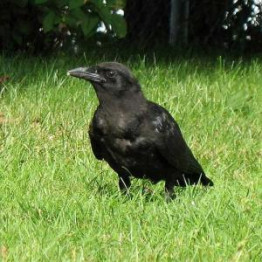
136 137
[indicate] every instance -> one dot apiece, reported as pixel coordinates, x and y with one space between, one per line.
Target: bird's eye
110 74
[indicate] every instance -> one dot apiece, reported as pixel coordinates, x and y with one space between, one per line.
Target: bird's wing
95 143
171 144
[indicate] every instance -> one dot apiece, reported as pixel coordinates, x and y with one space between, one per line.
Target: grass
58 203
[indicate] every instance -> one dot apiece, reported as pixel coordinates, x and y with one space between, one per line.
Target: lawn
58 203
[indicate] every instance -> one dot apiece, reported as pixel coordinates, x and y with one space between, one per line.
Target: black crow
134 136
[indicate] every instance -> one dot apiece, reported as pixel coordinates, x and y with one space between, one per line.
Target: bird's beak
86 73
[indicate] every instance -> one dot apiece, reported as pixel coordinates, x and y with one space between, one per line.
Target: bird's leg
169 190
124 184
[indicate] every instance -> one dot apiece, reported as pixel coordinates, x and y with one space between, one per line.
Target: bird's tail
205 181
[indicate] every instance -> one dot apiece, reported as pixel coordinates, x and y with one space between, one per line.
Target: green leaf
102 10
89 24
78 14
71 21
60 3
48 21
75 3
38 2
118 24
116 4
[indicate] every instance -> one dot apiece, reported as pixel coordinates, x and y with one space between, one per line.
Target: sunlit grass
58 203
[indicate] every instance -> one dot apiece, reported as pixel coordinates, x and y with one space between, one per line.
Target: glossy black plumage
135 136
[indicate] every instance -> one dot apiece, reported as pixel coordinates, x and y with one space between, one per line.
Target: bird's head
109 78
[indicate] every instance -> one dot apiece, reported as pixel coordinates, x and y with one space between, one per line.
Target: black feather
135 136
